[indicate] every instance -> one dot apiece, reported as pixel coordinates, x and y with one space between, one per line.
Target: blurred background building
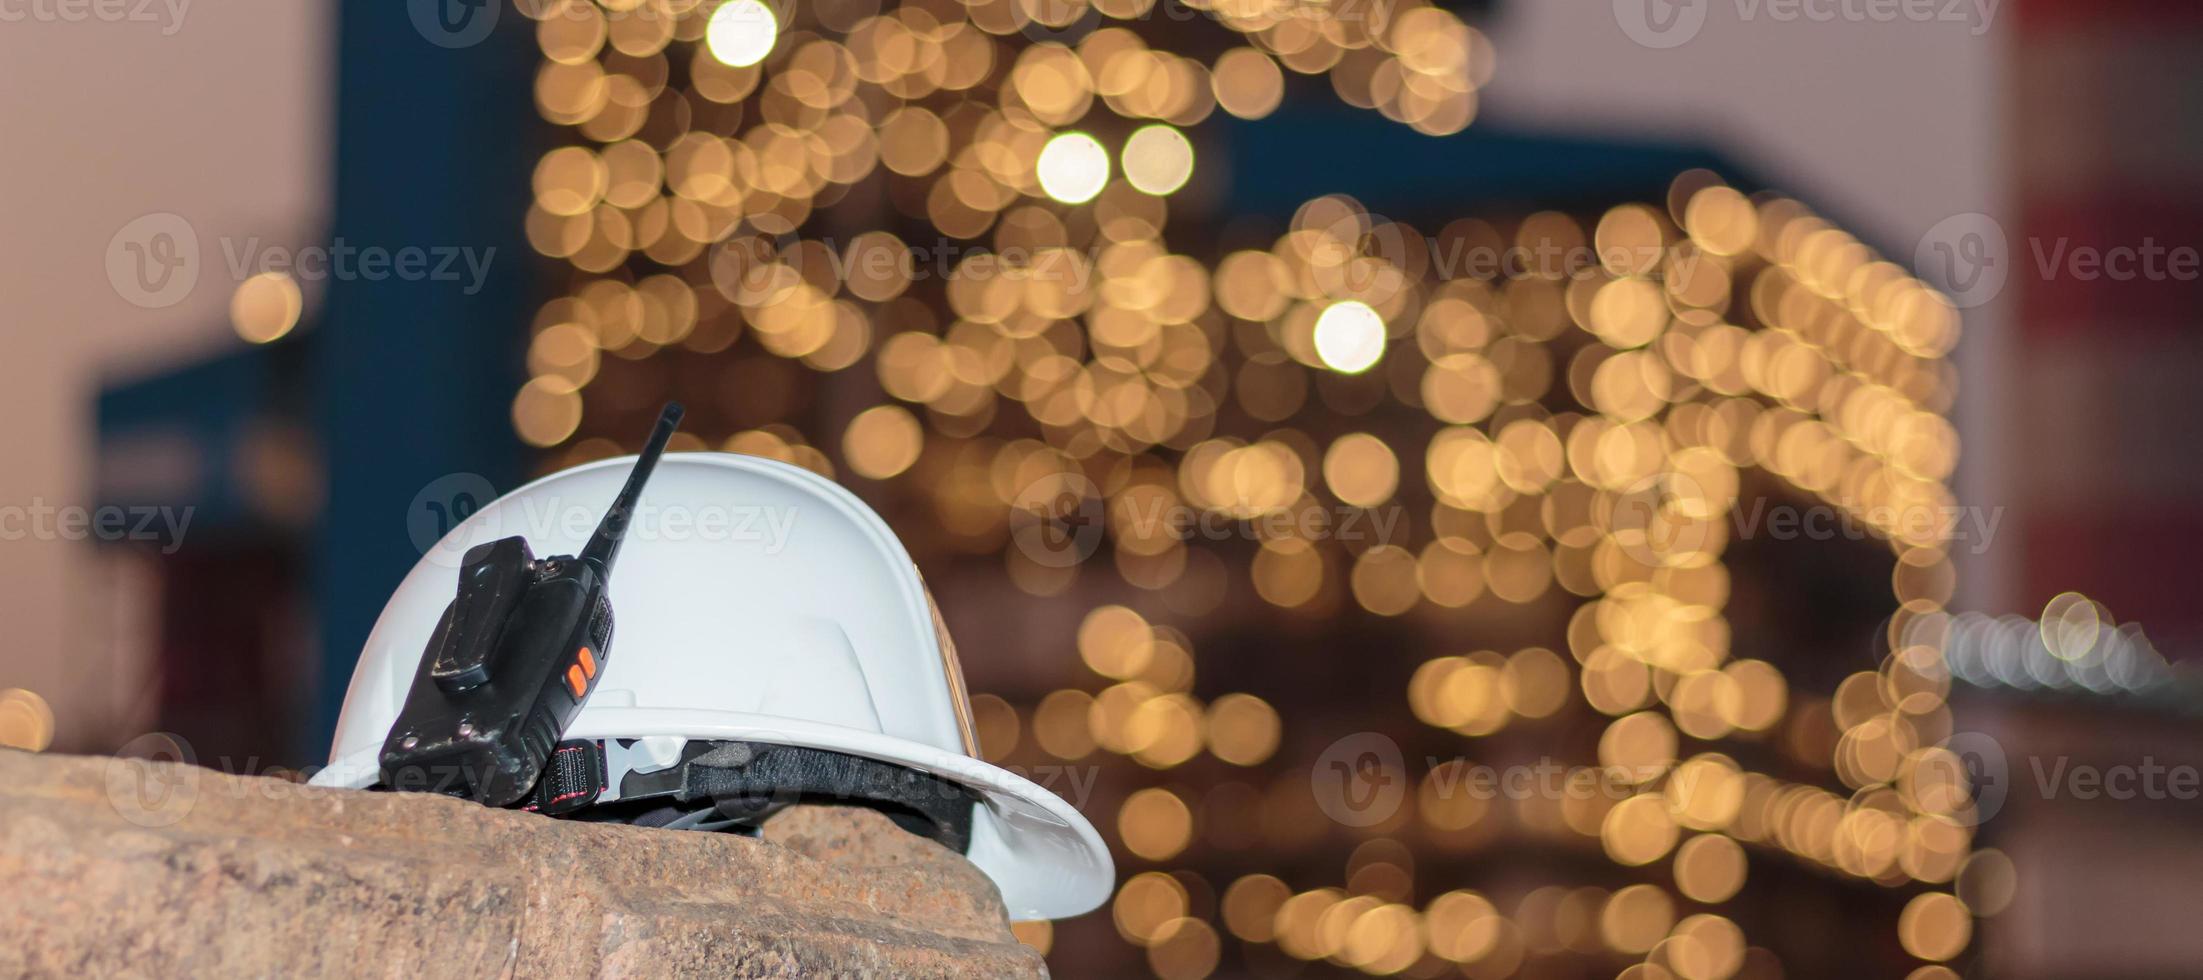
1303 413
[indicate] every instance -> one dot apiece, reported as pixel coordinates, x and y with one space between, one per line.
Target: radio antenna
604 546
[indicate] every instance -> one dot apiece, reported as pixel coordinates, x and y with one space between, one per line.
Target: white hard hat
756 602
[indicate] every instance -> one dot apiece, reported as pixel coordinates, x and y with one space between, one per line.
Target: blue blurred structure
414 379
399 381
1305 150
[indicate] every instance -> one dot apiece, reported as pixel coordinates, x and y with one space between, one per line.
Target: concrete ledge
129 868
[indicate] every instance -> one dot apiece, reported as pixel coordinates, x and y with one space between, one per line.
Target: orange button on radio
575 682
588 663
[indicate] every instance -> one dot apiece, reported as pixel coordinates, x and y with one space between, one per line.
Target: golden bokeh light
26 721
1145 903
1243 729
546 411
882 442
1361 470
1184 949
742 33
1250 907
1116 642
1702 947
1040 934
1248 84
996 725
1461 926
1638 747
1060 724
1638 830
1073 168
1935 926
1155 824
1709 868
1350 337
1987 882
1158 159
1636 918
1384 580
265 307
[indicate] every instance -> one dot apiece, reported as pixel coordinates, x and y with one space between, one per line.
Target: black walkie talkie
512 659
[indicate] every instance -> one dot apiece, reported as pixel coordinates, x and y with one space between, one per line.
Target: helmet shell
752 601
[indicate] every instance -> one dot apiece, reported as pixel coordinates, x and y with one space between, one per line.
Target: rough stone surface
128 868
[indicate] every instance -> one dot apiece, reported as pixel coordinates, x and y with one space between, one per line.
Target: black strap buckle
574 778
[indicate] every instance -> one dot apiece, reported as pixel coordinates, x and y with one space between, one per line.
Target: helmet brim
1046 858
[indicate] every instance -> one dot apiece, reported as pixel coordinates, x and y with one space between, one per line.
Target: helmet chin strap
745 782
